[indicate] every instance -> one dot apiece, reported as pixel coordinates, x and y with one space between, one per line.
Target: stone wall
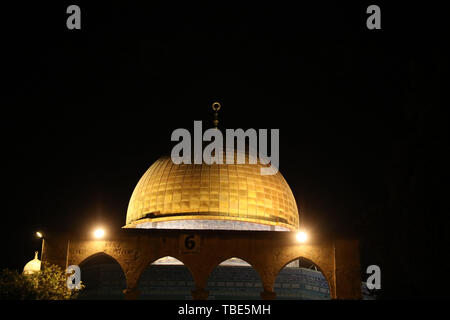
201 251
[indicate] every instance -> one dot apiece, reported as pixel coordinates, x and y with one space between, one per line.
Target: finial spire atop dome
216 107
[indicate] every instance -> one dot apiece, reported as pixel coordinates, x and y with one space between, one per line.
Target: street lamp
40 235
99 233
301 236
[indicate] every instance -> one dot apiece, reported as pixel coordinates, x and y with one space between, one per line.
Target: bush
48 284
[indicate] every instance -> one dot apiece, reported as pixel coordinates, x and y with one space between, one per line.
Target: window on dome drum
301 279
166 279
234 279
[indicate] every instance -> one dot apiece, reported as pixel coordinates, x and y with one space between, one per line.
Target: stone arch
245 285
82 251
177 279
215 261
221 260
301 257
97 254
102 277
150 259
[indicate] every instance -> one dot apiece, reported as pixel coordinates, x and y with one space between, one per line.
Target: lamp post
41 236
67 253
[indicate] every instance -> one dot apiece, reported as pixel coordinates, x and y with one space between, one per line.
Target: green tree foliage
48 284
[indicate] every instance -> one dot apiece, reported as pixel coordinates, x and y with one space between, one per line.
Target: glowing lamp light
301 236
39 234
99 233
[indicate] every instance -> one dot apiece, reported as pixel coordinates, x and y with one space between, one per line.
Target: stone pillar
268 295
268 273
200 294
131 293
347 270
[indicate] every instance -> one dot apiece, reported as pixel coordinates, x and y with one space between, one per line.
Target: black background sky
360 112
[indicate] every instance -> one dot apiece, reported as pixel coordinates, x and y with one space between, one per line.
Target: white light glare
99 233
301 236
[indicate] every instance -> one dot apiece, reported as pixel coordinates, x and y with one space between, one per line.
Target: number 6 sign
189 243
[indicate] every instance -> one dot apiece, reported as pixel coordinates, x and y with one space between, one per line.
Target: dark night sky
360 113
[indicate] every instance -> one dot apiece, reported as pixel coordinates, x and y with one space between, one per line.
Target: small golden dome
217 196
32 266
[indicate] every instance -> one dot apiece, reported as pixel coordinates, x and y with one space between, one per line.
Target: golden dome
32 266
217 196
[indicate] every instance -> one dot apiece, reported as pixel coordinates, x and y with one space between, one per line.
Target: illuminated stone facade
267 252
